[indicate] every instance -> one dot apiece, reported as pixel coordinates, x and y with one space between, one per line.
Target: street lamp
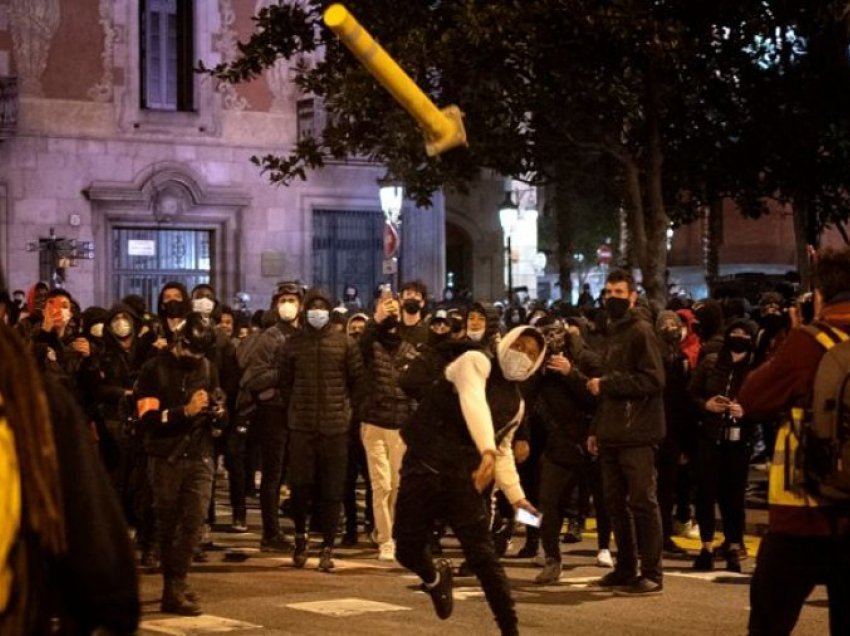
508 217
392 200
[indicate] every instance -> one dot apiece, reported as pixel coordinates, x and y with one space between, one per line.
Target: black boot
175 600
299 554
326 561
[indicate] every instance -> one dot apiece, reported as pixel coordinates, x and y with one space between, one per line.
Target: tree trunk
712 235
636 243
805 234
653 265
560 201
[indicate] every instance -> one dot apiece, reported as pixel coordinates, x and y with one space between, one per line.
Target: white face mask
287 311
475 336
516 366
318 318
204 306
97 330
121 327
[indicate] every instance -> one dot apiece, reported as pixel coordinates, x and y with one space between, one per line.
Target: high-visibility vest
10 505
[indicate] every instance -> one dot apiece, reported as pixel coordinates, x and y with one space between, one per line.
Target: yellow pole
443 128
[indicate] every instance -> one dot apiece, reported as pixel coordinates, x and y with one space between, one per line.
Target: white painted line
193 625
709 576
344 607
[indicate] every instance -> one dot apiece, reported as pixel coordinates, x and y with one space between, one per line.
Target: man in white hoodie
458 441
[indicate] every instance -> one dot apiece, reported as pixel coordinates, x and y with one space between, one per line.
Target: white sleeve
469 373
507 477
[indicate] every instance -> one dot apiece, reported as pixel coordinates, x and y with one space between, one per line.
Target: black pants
668 471
629 481
592 467
318 465
236 461
272 436
557 483
721 474
423 498
181 491
357 467
787 570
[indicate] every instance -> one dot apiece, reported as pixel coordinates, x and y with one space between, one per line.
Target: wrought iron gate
347 250
144 259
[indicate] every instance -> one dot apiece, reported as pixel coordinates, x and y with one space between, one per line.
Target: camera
215 412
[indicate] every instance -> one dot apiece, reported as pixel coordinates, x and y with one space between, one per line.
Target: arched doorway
458 257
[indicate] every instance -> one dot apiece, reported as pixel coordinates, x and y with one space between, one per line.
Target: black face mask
673 336
738 344
617 307
435 338
411 306
189 362
174 309
773 322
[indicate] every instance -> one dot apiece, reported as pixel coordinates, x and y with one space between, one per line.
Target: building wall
85 147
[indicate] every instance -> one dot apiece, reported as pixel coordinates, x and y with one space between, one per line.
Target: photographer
722 449
175 400
558 397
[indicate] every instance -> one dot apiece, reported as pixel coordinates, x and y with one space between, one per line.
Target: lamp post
508 217
392 199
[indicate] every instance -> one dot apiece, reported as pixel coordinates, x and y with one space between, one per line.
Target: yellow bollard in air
443 128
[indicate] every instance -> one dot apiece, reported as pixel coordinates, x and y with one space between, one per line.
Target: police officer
177 400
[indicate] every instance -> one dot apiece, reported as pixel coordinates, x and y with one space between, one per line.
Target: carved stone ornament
279 76
225 44
102 91
34 23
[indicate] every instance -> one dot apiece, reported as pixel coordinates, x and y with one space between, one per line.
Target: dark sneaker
349 540
299 553
671 548
527 551
441 593
704 561
641 586
326 562
181 607
277 543
722 551
617 578
733 561
551 573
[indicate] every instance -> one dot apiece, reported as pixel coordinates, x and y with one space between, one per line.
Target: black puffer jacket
386 405
321 377
631 399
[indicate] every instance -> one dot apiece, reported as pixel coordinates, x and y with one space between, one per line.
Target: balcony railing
8 107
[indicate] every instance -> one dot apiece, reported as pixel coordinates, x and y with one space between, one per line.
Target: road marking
339 564
709 576
344 607
192 625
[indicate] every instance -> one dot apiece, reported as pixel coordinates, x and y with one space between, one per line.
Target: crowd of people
642 418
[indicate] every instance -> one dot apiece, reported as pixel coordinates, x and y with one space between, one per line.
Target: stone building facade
118 143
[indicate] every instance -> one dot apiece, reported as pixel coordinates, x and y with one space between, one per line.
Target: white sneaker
386 551
687 530
604 560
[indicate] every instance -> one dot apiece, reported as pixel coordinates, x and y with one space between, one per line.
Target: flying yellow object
443 128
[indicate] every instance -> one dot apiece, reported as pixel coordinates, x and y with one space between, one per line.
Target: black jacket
172 382
321 379
563 404
386 404
260 381
631 399
716 374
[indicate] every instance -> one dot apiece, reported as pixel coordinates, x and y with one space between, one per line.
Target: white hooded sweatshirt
468 373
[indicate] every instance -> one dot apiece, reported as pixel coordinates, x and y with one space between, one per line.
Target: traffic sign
604 254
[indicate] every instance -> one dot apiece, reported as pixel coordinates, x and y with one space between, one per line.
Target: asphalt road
266 595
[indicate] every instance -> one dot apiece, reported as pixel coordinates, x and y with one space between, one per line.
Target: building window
310 118
167 54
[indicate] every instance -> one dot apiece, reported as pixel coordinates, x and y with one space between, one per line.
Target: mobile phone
386 291
528 518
